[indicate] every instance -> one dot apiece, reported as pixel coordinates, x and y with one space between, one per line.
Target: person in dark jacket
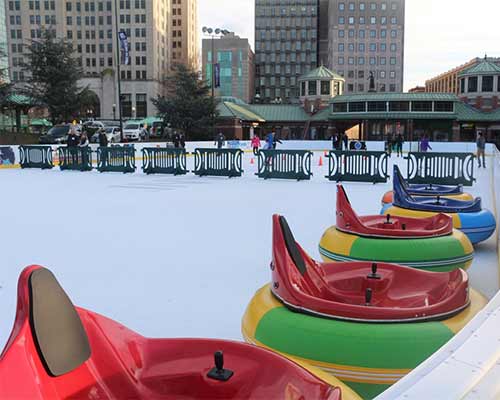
103 139
182 141
276 141
335 141
399 144
481 149
177 140
345 141
220 139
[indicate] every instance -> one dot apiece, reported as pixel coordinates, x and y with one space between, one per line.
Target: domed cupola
318 87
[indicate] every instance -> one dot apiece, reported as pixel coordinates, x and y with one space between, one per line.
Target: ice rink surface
172 256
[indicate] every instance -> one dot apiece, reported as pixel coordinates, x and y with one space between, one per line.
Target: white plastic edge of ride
468 366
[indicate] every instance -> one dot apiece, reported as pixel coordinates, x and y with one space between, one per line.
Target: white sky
440 34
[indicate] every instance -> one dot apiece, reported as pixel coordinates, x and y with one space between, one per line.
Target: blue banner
217 75
125 48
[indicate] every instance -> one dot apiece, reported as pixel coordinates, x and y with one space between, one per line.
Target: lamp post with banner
215 66
122 56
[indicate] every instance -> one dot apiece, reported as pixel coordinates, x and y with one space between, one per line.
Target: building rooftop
485 67
321 73
394 97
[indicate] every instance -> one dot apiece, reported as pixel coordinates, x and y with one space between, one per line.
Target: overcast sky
440 34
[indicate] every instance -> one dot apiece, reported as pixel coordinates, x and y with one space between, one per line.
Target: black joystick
374 274
368 296
438 202
219 373
388 219
403 227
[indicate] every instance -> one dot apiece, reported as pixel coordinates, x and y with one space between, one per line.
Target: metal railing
75 158
441 168
285 164
116 159
164 161
218 162
358 166
36 157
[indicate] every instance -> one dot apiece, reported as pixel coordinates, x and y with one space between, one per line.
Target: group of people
340 142
77 141
271 142
179 140
395 143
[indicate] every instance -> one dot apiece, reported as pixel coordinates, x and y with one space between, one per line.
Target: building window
443 106
487 85
325 88
339 107
313 88
421 106
462 85
341 6
359 106
472 84
141 104
400 106
377 106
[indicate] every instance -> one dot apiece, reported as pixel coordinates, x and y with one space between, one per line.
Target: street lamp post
213 34
118 69
114 112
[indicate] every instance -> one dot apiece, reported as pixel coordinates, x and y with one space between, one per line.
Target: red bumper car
57 351
362 291
387 226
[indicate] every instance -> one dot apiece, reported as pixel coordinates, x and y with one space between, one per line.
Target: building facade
185 33
368 37
479 86
447 82
286 47
236 61
91 27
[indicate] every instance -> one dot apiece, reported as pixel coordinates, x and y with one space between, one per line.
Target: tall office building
286 46
185 33
90 26
4 49
368 37
237 66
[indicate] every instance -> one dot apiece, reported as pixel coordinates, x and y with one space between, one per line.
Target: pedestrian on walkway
481 149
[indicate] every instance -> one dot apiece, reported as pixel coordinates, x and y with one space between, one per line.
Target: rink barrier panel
157 160
358 166
218 162
285 164
116 159
441 168
75 158
36 157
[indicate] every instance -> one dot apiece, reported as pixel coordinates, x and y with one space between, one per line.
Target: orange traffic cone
326 153
320 162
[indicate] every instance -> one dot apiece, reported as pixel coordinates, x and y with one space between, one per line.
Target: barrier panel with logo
218 162
441 168
116 159
75 158
157 160
285 164
36 157
354 166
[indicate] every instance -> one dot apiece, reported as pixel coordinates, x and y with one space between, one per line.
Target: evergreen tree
52 76
188 105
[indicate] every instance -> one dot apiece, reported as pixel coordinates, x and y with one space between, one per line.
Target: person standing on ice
220 140
103 139
84 140
335 142
481 149
425 145
256 144
269 141
399 144
345 141
276 141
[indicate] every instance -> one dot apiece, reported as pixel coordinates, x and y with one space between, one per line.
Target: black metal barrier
116 159
285 164
358 166
36 157
157 160
218 162
75 158
441 168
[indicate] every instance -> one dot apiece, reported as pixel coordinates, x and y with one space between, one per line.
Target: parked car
112 133
58 134
134 131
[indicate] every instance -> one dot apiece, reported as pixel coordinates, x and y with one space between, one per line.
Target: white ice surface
170 256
